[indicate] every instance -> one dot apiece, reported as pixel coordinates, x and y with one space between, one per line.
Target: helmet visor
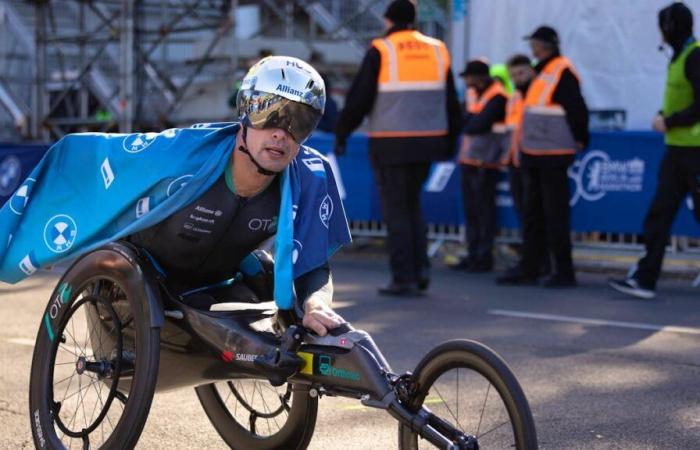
262 110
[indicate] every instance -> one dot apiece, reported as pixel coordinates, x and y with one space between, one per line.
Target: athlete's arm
314 293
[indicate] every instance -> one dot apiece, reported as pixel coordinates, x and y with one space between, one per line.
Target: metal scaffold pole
126 67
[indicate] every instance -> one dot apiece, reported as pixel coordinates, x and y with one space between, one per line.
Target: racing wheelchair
112 335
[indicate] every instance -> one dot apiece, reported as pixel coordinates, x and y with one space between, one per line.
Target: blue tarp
92 188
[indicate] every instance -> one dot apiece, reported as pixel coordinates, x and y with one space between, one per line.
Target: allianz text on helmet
282 92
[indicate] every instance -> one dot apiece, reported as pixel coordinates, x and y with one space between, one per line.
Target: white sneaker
630 286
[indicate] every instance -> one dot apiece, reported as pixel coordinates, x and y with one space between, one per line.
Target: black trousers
546 220
515 180
399 189
479 198
679 175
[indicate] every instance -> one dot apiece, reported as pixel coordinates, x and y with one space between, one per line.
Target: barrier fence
612 184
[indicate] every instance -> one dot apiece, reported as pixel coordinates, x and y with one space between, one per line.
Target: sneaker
630 286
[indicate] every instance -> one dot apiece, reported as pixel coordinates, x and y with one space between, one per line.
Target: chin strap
243 148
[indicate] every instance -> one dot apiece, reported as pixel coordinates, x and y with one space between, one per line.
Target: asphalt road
600 371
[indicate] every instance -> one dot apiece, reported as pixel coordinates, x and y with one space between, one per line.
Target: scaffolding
119 65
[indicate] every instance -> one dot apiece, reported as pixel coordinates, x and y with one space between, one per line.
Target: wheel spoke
449 410
483 408
480 436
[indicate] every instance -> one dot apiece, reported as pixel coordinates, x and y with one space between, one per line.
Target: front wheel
467 385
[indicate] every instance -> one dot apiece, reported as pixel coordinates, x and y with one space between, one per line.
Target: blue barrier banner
611 185
16 162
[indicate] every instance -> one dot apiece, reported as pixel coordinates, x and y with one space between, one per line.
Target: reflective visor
262 110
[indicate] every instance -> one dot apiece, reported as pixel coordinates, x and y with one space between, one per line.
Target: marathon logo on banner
597 175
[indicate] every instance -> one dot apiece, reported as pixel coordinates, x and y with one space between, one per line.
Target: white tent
613 44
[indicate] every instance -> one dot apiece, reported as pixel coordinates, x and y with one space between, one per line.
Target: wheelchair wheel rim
80 371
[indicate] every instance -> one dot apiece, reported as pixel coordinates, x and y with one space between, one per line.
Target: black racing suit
204 243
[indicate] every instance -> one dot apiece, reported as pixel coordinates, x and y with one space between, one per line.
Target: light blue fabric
94 188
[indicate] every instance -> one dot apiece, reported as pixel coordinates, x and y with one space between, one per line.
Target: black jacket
393 151
568 95
494 111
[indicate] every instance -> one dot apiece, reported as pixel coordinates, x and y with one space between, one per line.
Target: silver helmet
282 92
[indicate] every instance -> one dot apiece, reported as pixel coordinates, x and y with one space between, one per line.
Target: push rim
85 363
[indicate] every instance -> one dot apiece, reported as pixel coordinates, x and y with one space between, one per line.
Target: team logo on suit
59 233
136 143
19 201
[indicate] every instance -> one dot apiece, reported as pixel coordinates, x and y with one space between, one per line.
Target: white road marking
21 341
587 321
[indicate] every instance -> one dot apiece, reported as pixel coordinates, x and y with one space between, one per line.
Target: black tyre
469 386
254 415
95 361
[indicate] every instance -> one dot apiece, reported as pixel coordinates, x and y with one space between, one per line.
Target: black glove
339 147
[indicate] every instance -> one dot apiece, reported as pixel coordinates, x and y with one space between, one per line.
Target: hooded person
679 175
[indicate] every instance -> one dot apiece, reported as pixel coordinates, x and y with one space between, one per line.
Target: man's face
272 148
474 82
521 74
540 50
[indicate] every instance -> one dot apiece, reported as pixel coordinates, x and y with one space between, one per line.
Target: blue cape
94 188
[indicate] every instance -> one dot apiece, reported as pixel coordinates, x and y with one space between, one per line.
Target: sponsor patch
28 264
21 197
177 184
136 143
60 232
325 210
107 173
143 206
314 164
327 369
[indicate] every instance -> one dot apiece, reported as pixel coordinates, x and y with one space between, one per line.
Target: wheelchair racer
208 240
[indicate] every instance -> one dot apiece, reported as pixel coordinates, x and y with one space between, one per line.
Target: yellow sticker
308 367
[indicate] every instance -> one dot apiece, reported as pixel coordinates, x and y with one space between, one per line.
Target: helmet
282 92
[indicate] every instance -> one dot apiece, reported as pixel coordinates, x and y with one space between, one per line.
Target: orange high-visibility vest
484 150
411 86
545 130
514 118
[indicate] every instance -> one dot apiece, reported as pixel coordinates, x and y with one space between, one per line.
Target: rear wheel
469 388
95 362
254 415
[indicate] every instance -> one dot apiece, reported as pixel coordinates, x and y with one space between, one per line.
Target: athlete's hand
319 317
